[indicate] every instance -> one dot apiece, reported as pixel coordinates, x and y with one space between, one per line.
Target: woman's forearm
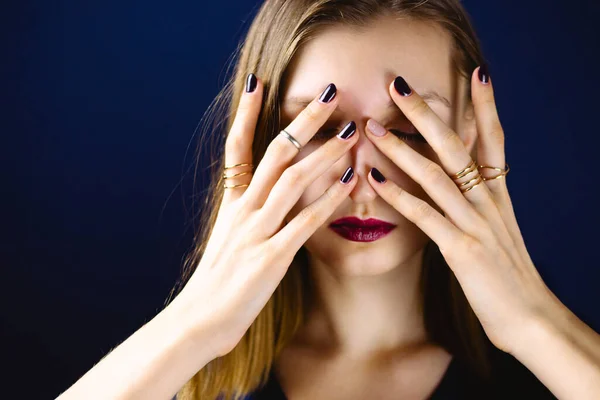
153 363
564 353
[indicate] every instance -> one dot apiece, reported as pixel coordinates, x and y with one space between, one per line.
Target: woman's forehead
362 62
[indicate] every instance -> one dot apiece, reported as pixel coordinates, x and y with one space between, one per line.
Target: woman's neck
365 315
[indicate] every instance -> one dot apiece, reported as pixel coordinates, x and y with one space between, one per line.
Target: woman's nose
364 154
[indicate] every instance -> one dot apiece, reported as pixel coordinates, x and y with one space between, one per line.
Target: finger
418 211
486 225
281 151
448 146
446 143
434 180
293 235
238 145
491 151
296 178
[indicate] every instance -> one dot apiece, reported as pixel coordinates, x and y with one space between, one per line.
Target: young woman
373 252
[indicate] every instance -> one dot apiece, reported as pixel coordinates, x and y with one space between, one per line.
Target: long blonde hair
278 31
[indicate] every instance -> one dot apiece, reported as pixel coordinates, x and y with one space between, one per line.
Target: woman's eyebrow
428 95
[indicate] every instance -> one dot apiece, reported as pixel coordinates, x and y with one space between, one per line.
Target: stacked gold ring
239 174
286 135
471 168
478 177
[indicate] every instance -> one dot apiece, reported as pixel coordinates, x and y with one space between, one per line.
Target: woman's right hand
250 247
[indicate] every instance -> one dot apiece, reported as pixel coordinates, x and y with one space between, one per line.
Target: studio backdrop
99 107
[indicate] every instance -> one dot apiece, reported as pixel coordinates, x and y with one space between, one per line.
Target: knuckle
330 194
243 207
456 248
267 253
450 142
277 146
244 106
497 134
482 229
311 112
331 150
235 141
420 108
489 101
398 193
434 173
422 210
309 217
243 113
471 245
292 176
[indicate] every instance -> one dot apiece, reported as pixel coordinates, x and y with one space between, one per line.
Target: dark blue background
99 101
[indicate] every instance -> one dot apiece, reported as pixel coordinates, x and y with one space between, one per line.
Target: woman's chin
346 257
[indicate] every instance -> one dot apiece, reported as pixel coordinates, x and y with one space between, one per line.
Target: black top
510 380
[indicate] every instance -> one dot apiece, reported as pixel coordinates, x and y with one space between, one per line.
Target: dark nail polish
250 83
378 176
347 175
328 94
401 86
348 131
484 74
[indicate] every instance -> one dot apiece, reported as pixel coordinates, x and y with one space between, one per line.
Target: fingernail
347 175
376 128
328 94
250 83
348 131
484 74
378 176
401 86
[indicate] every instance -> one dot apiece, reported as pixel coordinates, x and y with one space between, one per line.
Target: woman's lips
359 230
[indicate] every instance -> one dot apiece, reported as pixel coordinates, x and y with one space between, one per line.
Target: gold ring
238 174
464 172
500 175
478 177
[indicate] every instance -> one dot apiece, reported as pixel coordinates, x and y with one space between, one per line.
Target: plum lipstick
359 230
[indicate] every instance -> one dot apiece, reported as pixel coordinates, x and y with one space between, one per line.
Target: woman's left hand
479 236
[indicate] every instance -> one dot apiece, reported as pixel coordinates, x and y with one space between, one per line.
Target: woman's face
362 63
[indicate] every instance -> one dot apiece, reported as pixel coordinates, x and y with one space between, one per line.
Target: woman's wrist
196 327
563 352
152 363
